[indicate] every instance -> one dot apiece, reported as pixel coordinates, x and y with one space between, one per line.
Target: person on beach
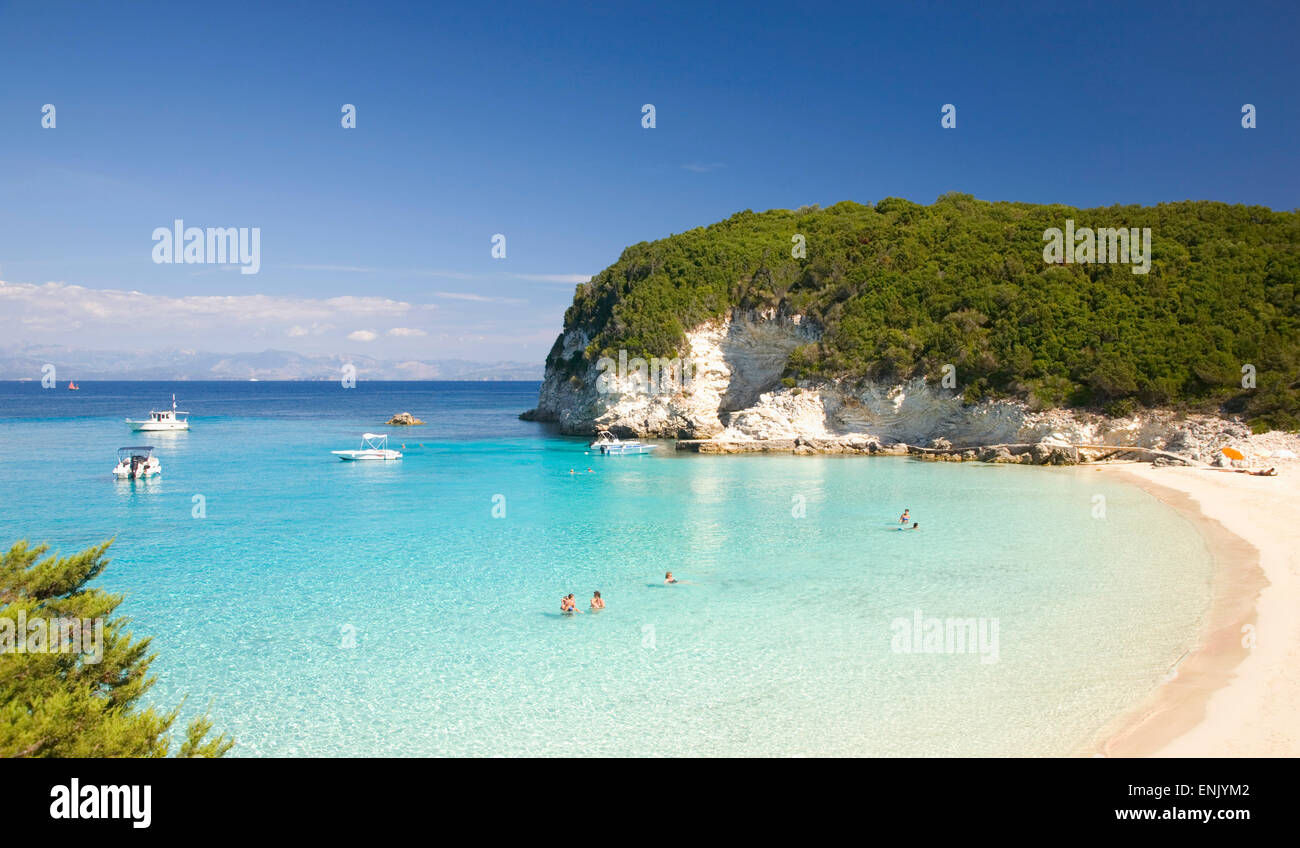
597 602
669 578
905 517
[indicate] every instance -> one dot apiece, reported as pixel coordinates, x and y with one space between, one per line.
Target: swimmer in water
905 517
597 602
916 525
669 578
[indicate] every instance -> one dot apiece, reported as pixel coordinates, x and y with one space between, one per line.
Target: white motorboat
136 463
373 446
159 421
607 444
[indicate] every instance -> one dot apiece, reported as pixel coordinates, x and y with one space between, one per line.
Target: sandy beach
1237 692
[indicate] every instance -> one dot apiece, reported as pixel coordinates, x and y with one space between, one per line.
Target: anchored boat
607 444
373 446
158 421
136 463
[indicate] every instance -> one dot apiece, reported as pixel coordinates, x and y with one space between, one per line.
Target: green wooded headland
901 289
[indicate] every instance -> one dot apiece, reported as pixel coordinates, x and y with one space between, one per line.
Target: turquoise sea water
338 609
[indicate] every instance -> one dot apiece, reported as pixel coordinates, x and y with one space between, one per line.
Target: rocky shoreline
736 400
1048 452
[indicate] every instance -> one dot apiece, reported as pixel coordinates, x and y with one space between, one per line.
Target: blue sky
526 120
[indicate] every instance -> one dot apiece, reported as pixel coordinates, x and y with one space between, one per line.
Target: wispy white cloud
457 324
368 269
62 310
438 273
77 303
316 329
446 275
355 269
476 298
703 167
573 279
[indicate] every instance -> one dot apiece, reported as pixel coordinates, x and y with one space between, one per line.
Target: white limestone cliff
734 393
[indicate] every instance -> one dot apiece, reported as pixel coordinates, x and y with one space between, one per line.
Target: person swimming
916 525
669 578
597 602
568 604
905 517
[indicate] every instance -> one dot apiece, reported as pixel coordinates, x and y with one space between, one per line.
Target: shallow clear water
778 641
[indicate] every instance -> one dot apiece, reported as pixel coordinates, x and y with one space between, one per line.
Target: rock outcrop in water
734 398
403 419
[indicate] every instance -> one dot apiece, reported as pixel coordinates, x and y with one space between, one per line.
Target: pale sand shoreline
1229 698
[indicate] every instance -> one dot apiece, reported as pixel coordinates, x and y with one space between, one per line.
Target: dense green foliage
57 703
902 289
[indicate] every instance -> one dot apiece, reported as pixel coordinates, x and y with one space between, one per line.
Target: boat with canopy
373 446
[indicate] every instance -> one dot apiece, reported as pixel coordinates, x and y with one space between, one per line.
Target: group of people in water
569 605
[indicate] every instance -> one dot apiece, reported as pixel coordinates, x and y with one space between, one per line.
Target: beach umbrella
1233 453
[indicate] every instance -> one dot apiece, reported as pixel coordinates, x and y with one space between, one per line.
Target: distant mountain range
73 364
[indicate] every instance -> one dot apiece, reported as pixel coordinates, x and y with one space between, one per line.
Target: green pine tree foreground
902 290
55 702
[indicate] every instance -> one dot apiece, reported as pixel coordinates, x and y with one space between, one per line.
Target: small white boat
136 463
607 444
373 446
159 421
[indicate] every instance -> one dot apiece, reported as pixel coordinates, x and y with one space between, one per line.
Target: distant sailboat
73 387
